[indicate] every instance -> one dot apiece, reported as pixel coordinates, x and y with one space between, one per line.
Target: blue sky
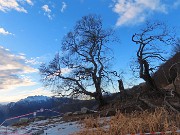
31 33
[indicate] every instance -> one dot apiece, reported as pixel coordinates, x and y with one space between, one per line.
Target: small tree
86 56
151 40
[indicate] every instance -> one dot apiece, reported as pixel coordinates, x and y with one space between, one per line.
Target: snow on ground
44 127
63 129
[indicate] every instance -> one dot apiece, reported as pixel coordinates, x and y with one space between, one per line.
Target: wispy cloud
47 11
5 32
64 6
176 4
13 70
132 12
15 95
34 61
7 5
29 2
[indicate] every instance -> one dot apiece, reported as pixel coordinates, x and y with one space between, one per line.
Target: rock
92 111
31 119
95 107
68 114
84 110
170 88
177 83
110 113
41 117
77 113
175 104
23 120
39 132
38 118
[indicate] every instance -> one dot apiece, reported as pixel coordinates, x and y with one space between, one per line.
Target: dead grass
138 122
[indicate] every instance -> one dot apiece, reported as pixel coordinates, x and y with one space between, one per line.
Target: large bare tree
83 65
151 41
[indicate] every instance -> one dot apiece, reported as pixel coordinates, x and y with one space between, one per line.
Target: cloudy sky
31 32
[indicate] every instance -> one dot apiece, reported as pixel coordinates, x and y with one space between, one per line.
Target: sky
31 32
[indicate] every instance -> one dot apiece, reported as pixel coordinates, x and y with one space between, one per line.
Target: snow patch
44 127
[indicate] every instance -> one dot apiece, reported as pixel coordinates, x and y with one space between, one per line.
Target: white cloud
4 32
15 95
29 2
176 4
7 5
135 11
47 11
41 91
12 67
64 6
34 61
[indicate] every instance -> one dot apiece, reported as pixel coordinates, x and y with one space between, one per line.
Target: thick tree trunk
121 85
102 102
99 97
145 75
121 89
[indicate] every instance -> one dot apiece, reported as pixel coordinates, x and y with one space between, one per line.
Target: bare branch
150 41
84 54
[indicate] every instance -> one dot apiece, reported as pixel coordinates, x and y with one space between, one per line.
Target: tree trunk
98 96
121 89
121 85
145 75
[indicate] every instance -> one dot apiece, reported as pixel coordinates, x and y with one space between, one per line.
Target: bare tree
83 67
176 48
151 40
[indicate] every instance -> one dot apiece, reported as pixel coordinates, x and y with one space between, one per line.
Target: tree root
170 106
138 106
148 103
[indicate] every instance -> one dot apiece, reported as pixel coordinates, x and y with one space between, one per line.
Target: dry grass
121 124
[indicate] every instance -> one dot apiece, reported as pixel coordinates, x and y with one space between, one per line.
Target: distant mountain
35 99
32 104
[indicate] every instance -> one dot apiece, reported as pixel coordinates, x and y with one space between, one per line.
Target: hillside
140 97
162 76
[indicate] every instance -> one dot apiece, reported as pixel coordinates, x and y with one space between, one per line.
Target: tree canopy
82 67
151 42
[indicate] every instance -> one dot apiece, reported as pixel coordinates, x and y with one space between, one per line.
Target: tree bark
121 85
145 75
121 89
99 97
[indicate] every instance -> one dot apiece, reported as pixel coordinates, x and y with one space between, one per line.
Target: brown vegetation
160 120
